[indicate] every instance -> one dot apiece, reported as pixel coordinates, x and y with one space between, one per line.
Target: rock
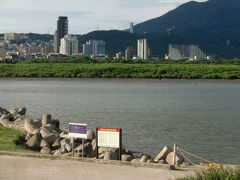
47 119
161 162
150 161
22 111
19 125
56 144
68 147
163 154
90 134
13 112
28 136
101 156
129 152
102 150
52 137
44 143
32 126
45 132
45 150
137 160
88 150
110 156
94 145
179 159
144 158
57 153
126 157
63 150
34 142
64 134
56 123
4 120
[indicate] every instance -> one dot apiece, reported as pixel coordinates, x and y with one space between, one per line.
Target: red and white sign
108 137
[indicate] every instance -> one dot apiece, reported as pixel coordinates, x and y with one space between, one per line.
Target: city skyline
24 16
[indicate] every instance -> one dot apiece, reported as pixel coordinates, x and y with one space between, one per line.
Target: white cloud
40 15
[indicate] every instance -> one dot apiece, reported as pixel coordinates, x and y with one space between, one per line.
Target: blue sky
40 16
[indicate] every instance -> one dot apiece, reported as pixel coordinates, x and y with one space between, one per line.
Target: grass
8 139
216 172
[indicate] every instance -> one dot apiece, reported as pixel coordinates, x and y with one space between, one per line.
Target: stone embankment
45 135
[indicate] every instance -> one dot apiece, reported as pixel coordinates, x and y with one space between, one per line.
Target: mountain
213 25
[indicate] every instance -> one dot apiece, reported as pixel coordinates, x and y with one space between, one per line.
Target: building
178 52
129 53
119 55
131 30
62 30
69 45
94 48
46 49
142 49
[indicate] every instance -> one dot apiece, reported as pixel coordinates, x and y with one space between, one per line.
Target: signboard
108 137
77 130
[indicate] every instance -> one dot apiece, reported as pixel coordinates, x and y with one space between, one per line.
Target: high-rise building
94 48
62 30
129 53
177 52
69 45
131 28
142 49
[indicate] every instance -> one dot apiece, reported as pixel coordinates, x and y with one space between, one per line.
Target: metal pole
120 145
97 143
174 154
72 141
82 148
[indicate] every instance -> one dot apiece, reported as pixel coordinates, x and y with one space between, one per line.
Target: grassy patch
216 173
8 139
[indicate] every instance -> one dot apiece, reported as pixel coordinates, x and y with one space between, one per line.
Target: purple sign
77 130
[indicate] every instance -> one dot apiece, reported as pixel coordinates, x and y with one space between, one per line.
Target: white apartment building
142 49
69 45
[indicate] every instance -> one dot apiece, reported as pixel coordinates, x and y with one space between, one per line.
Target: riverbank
121 70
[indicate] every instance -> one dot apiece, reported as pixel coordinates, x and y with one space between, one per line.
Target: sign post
77 130
109 137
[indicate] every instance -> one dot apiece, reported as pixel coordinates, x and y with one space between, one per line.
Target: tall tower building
69 45
129 52
142 49
62 30
131 27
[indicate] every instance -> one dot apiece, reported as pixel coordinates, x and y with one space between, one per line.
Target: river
201 116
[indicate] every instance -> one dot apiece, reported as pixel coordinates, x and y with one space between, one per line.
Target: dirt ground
23 168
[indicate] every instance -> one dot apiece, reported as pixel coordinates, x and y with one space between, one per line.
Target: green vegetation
9 138
216 173
83 67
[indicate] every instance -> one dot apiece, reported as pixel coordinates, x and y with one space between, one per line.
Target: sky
40 16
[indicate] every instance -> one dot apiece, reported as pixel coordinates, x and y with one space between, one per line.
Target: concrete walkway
24 168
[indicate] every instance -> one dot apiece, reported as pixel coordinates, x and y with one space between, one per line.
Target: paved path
22 168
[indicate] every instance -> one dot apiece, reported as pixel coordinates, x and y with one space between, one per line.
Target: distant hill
213 25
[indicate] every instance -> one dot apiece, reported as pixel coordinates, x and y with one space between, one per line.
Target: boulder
32 126
19 124
13 112
88 150
47 119
144 158
22 110
137 160
102 150
57 153
56 144
45 150
68 147
150 161
126 157
179 159
90 134
28 136
94 145
110 156
163 154
51 138
161 162
4 120
129 152
34 142
44 143
45 132
56 123
64 134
